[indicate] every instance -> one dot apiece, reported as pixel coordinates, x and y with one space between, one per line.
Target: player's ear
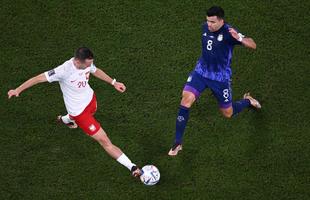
79 62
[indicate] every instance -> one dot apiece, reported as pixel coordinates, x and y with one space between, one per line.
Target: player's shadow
152 147
260 136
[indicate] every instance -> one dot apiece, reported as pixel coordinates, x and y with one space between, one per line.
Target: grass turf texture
152 46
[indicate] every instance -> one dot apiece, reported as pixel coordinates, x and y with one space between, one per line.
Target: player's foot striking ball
80 99
213 71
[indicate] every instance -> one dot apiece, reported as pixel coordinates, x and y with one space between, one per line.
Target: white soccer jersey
74 85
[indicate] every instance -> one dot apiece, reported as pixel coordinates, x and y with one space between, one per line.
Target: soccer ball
150 175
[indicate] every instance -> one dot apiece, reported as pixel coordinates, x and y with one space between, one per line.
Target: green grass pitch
152 46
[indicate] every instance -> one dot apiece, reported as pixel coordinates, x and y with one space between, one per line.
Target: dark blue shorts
196 84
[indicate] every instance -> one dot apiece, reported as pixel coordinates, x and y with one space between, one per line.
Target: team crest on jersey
205 34
220 37
92 127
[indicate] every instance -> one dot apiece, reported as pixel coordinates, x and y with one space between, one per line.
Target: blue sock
181 122
238 106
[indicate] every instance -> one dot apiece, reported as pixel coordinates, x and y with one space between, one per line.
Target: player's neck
220 27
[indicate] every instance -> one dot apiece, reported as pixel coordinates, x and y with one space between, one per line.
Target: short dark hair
83 53
216 11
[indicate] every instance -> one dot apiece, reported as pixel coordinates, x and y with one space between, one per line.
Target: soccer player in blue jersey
213 71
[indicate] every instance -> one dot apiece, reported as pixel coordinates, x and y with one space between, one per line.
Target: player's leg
92 127
235 108
227 112
102 138
69 120
191 92
115 152
223 94
188 98
238 106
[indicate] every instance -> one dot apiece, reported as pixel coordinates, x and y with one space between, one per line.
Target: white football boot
71 124
175 149
254 102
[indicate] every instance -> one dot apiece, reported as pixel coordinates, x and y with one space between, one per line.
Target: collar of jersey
220 30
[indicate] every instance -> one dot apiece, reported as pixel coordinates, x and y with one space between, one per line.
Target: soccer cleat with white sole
254 102
71 125
175 149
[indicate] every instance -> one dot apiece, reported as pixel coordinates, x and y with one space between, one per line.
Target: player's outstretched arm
103 76
246 41
29 83
249 43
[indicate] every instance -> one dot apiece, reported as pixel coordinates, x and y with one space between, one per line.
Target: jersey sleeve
93 68
204 27
56 74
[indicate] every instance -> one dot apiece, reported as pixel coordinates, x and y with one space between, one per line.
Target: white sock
124 160
66 119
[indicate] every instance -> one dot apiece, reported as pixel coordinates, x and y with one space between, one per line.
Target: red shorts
86 120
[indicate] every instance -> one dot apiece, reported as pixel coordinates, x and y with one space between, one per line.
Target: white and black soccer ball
150 175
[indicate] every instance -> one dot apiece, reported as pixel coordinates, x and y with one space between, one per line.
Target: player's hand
120 87
12 93
234 33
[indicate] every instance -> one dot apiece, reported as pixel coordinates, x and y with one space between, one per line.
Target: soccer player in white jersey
80 99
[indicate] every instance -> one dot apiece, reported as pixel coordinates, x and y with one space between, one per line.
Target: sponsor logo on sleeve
51 72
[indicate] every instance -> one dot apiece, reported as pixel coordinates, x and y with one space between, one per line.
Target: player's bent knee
188 99
227 113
